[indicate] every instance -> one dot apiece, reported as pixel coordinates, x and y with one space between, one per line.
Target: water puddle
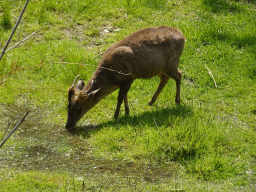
38 145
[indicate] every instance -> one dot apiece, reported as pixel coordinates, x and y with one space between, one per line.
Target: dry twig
20 42
66 63
14 129
14 29
92 66
251 9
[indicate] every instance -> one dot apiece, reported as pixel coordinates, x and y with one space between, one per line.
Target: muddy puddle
38 145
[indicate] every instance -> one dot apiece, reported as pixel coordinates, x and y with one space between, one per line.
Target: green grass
205 144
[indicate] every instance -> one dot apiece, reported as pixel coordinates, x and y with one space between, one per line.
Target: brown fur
143 54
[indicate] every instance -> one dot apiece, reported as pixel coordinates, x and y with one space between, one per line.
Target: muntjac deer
143 54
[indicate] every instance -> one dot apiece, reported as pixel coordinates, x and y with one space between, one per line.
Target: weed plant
205 144
6 18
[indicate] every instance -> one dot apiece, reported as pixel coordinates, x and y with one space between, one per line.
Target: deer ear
80 84
71 92
93 93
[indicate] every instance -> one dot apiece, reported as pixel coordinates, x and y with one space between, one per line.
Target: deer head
79 102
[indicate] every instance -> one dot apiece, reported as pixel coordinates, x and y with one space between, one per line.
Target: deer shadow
154 118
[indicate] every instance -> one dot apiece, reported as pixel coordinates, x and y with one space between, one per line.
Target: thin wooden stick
210 73
14 29
8 1
23 118
20 42
251 9
116 71
41 65
92 66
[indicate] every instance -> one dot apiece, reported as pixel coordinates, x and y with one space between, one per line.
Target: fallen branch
210 73
14 129
14 29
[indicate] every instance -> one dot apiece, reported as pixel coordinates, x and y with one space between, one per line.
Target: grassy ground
205 144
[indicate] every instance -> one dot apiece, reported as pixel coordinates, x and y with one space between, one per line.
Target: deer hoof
177 101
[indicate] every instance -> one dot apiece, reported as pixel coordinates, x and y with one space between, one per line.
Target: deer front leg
124 88
126 105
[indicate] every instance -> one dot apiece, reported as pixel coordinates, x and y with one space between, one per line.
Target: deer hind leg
175 74
177 78
164 78
124 88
